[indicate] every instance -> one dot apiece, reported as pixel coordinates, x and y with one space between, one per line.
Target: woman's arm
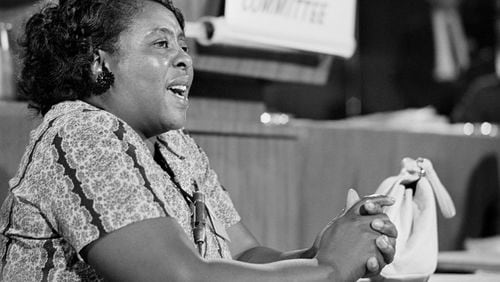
245 247
159 250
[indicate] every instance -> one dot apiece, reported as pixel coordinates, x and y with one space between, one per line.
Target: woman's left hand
386 243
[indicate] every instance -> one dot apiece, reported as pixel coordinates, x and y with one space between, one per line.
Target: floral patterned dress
86 173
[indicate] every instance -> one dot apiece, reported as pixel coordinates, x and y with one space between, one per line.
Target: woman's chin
175 123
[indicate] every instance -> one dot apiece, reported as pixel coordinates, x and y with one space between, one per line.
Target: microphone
199 220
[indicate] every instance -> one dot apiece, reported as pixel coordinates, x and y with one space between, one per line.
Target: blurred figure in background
481 102
423 53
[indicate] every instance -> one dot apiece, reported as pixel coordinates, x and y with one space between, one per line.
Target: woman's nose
183 60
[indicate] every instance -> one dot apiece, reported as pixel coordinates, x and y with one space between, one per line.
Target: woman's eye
185 49
162 44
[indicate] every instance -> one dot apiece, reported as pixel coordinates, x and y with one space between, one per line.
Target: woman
95 198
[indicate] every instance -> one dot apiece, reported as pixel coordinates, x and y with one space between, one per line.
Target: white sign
324 26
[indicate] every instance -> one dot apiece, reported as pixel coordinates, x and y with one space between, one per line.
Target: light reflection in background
485 129
274 118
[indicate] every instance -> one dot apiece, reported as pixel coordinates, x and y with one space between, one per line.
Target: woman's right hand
351 244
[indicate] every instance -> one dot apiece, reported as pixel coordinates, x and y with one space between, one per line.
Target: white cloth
414 215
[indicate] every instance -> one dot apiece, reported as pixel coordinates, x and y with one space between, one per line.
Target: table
469 261
476 277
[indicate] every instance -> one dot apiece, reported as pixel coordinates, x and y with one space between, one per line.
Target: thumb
352 198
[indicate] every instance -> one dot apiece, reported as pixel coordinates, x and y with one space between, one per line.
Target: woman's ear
103 77
100 62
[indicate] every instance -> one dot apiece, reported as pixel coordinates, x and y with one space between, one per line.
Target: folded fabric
415 190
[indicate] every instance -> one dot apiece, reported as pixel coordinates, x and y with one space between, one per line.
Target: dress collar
175 141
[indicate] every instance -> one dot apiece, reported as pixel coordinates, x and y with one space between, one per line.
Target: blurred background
393 67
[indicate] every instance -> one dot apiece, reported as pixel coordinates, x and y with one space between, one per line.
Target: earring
104 81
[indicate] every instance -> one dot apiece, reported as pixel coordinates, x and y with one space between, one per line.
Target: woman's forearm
158 250
261 254
286 270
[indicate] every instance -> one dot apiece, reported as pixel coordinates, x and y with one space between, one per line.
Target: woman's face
153 73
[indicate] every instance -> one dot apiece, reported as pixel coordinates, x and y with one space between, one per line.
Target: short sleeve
101 184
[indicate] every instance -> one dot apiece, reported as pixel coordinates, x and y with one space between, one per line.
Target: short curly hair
60 42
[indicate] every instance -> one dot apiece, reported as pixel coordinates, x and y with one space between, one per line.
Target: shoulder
81 122
72 126
97 122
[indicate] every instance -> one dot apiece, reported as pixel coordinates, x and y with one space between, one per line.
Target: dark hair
60 42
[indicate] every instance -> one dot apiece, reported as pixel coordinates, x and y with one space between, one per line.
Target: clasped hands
360 241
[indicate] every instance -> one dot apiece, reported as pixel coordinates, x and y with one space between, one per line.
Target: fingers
352 198
385 227
370 208
372 265
386 247
373 204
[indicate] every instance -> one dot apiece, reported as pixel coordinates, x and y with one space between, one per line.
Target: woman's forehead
154 17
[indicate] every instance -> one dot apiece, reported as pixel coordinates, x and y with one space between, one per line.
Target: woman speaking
111 188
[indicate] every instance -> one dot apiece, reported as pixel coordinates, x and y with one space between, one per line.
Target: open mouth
179 90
